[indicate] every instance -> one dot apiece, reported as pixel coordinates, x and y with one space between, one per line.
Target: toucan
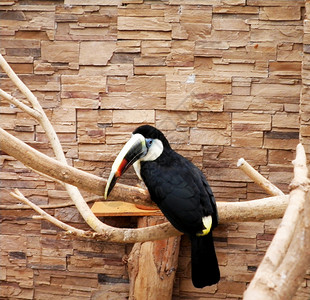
179 189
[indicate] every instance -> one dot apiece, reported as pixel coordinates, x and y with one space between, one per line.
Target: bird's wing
210 199
180 193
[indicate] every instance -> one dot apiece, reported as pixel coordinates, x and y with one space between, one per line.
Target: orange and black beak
133 150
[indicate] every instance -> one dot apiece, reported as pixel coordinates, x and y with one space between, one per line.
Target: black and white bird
180 190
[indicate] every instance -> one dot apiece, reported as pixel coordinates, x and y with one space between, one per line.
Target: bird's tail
205 269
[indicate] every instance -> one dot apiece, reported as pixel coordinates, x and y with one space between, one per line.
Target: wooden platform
120 208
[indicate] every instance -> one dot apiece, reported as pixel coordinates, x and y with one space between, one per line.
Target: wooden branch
55 169
287 258
19 104
20 85
254 210
18 195
258 178
121 235
43 206
73 191
267 208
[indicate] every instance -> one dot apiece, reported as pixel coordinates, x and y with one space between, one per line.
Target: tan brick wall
222 79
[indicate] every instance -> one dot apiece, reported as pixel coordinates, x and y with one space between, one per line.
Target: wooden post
152 265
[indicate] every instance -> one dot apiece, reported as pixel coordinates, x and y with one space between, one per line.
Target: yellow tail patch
207 223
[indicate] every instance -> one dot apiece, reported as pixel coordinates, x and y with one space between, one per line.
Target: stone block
150 61
279 34
12 243
196 14
148 24
143 34
254 156
186 286
281 157
285 69
248 10
289 55
230 24
280 13
251 121
93 2
47 262
91 84
40 20
196 93
285 120
214 120
231 288
96 53
278 3
146 84
128 47
210 136
281 140
134 116
167 120
60 51
196 31
42 83
12 290
99 263
143 11
244 138
22 276
155 48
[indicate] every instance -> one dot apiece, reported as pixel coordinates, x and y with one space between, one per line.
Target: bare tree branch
43 206
18 195
19 104
55 169
287 258
267 208
20 85
258 178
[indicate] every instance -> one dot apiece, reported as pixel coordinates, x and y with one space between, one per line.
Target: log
152 265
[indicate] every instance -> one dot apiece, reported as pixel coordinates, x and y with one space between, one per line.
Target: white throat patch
155 150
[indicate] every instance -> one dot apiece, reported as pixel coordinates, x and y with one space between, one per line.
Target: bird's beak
134 149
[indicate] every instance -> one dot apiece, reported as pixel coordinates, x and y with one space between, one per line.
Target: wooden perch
258 178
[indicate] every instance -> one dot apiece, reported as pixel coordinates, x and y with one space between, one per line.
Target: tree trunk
152 265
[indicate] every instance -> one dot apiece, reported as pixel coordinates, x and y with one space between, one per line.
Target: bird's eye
148 142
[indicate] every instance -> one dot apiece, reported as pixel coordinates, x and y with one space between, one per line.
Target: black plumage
184 196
